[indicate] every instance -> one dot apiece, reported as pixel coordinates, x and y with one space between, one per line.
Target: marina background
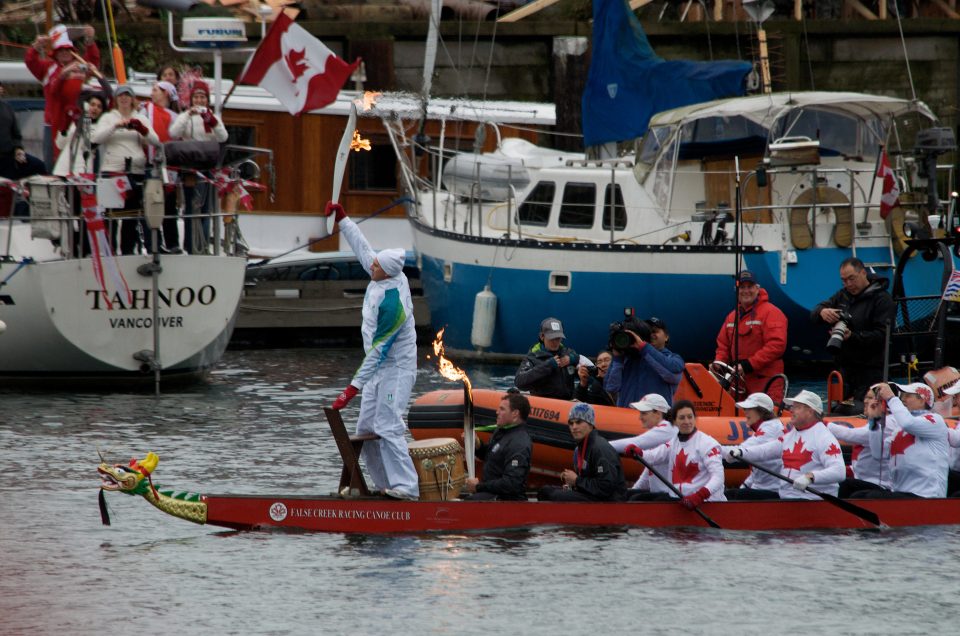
255 426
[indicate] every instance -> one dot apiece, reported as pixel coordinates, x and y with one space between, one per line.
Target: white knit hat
60 37
391 260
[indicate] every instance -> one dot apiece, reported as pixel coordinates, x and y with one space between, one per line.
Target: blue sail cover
628 83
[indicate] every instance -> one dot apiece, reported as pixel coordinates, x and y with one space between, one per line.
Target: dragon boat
371 515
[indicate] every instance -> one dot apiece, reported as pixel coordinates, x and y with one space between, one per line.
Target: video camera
620 340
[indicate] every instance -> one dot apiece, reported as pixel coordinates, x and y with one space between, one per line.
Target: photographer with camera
753 338
590 387
550 368
858 316
641 363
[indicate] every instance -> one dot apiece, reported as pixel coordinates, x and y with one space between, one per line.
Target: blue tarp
628 83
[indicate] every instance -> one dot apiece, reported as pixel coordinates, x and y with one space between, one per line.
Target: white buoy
484 318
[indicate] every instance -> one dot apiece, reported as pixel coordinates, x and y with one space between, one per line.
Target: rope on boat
23 263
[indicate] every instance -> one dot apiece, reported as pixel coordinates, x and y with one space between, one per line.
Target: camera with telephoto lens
620 340
838 331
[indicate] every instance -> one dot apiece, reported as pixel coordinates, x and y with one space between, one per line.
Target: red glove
344 398
692 501
633 451
137 125
209 121
334 208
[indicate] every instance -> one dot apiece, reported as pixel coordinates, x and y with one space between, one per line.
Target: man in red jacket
762 332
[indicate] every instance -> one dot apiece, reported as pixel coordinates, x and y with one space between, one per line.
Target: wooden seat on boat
349 446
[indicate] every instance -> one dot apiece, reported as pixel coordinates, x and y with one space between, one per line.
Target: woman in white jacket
122 134
197 123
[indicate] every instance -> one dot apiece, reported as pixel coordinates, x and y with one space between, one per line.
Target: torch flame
447 369
358 143
367 101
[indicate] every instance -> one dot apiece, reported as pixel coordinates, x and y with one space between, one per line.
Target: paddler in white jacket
389 366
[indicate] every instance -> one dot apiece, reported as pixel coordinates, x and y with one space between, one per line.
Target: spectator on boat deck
159 111
597 474
694 465
169 73
870 472
197 123
645 367
758 410
590 387
122 134
919 450
506 457
653 411
15 163
47 59
864 307
389 366
550 368
810 454
753 338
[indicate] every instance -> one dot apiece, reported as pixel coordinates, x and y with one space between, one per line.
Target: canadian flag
891 191
296 68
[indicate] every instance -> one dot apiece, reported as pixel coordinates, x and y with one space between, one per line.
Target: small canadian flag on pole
296 68
891 191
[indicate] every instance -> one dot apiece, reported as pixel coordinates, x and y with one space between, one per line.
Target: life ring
801 233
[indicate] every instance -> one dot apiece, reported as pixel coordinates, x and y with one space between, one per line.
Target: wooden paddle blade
118 66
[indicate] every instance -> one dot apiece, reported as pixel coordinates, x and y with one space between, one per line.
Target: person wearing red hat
753 338
197 123
51 59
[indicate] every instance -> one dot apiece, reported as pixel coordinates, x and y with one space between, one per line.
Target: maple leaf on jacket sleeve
833 450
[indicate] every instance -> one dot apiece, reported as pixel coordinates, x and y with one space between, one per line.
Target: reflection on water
257 427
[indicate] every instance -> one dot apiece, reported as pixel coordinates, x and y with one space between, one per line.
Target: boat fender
484 318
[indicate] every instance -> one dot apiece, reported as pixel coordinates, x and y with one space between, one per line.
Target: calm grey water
256 427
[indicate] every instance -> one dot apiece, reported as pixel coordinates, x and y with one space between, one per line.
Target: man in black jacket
597 474
15 163
865 307
550 368
506 458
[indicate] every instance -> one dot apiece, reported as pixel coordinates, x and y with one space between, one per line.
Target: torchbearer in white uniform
389 366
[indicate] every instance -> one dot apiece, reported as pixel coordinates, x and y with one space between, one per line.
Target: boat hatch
560 281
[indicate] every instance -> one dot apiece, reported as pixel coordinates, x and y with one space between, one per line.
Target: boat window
614 204
712 136
535 210
838 133
578 206
651 143
375 169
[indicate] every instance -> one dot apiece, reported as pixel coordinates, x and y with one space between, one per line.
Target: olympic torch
451 372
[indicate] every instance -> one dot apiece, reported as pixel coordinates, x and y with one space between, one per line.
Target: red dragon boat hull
330 514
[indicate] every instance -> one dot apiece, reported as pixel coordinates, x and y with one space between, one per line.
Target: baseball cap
809 398
953 389
917 388
551 328
124 89
651 402
657 323
583 412
757 401
746 276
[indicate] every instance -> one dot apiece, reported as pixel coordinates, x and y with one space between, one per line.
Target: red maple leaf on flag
901 443
833 450
797 457
684 472
296 63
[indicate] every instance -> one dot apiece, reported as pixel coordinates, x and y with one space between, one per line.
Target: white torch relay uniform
662 433
812 450
918 451
767 432
389 366
693 463
865 464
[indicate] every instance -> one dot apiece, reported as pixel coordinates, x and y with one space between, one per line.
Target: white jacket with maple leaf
693 464
662 433
865 464
767 432
919 455
812 450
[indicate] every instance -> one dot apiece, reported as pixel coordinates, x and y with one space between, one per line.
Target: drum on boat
440 467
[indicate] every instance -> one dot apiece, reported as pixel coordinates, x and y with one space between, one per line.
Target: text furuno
140 298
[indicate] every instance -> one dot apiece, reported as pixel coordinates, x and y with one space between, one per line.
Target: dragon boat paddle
857 511
673 489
